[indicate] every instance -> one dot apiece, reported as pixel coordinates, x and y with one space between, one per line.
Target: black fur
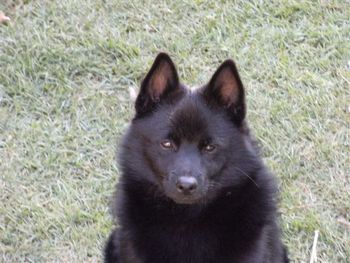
193 187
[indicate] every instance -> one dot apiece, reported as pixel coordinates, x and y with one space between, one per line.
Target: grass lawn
67 69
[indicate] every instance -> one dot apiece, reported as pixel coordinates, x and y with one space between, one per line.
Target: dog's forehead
189 118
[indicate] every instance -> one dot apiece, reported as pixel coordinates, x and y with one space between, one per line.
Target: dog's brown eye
167 144
209 148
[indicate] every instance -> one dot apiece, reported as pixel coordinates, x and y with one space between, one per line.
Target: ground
68 72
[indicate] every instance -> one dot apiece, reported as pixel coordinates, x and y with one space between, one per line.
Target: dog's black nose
186 184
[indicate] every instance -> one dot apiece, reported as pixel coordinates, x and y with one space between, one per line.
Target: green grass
66 69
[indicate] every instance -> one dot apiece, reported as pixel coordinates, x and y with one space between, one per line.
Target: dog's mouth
193 199
187 200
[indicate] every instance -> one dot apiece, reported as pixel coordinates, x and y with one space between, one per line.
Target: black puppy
193 187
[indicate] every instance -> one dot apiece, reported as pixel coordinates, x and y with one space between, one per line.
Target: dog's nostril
186 184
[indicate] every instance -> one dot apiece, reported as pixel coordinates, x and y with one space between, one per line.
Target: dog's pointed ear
225 89
160 82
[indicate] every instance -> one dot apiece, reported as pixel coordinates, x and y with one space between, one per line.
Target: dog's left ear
225 89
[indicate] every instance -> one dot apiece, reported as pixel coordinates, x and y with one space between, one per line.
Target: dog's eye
209 148
167 144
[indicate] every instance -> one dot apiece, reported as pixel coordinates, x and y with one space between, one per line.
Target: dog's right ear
160 82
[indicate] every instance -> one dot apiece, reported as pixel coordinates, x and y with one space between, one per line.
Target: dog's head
191 145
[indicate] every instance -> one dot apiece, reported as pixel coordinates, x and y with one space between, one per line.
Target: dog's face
190 145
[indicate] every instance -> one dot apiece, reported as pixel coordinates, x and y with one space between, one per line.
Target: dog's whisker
247 175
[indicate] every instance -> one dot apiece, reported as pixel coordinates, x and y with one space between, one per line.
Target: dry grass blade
313 258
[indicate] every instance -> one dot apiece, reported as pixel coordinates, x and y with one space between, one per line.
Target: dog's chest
185 243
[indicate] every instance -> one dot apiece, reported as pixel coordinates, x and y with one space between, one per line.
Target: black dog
193 187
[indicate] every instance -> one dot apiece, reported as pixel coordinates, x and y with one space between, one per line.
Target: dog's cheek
150 159
158 162
214 166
